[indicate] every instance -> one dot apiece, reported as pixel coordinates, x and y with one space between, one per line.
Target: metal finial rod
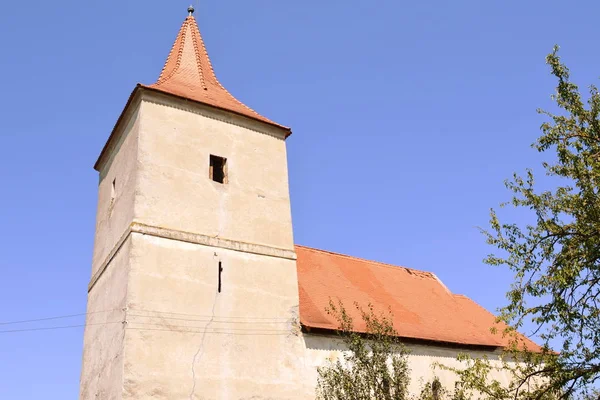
191 10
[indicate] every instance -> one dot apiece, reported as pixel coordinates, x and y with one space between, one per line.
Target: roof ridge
183 33
376 263
236 100
464 296
197 52
212 70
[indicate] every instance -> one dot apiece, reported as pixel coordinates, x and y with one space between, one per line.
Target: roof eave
117 125
319 330
287 130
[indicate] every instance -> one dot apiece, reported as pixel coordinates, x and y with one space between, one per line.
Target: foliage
555 259
433 391
375 365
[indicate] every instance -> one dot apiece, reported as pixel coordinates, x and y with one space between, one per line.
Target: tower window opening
218 169
220 278
113 189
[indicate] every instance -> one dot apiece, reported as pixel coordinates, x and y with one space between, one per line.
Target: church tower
194 289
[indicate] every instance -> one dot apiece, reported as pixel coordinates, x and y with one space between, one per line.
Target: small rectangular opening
220 272
218 169
113 189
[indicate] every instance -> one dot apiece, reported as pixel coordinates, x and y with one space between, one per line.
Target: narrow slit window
113 189
220 276
218 169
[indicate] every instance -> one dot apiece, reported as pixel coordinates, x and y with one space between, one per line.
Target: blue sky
407 117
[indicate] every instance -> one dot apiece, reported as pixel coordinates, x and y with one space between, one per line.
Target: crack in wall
201 347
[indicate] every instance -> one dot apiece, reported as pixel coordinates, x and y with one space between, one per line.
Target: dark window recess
218 169
220 273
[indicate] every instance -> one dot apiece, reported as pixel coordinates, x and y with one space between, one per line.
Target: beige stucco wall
102 364
176 140
251 345
121 166
423 361
102 367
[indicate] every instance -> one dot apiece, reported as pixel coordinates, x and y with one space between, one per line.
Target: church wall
113 217
102 369
422 360
175 192
184 339
252 347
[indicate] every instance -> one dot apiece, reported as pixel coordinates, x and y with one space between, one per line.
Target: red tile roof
422 306
188 73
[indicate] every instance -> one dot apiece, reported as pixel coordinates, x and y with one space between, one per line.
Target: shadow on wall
331 342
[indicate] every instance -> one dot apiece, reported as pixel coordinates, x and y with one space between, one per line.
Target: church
198 290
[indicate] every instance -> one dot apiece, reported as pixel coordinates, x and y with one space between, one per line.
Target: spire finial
191 10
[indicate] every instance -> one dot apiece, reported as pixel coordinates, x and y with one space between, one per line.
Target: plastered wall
174 191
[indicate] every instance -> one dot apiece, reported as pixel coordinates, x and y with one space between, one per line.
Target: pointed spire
188 73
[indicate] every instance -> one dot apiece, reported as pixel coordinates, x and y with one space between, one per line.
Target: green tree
375 365
434 391
555 259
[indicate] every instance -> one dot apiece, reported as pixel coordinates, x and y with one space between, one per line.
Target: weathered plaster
103 351
422 360
252 341
190 238
174 192
113 217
